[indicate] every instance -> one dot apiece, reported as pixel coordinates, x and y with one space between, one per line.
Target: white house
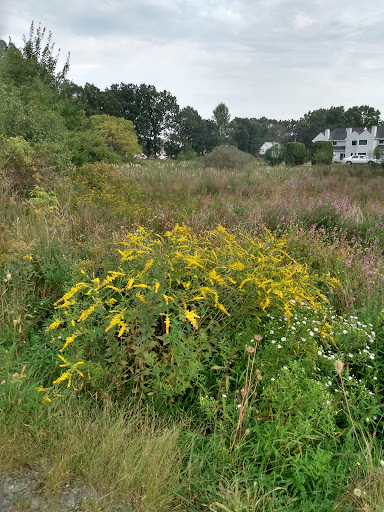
265 146
352 141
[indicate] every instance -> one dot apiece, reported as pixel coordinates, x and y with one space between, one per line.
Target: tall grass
293 450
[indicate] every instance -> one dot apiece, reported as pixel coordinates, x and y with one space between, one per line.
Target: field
184 337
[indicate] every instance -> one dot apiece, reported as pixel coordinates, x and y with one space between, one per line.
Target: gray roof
341 133
338 134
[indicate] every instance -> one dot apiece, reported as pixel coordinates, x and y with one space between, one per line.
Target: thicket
41 123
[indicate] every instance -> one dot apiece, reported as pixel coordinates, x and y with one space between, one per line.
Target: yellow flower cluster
190 279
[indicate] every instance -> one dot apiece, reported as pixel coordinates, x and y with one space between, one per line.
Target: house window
354 143
334 143
363 142
381 141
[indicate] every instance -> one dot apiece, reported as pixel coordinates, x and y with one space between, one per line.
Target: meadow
182 336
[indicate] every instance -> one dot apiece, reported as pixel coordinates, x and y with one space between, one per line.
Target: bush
322 152
158 323
295 153
24 165
227 157
274 155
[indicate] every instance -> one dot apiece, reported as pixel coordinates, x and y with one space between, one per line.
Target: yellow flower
68 340
191 316
167 324
28 257
85 314
54 324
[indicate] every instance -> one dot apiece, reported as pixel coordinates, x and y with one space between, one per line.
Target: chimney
327 133
349 131
374 131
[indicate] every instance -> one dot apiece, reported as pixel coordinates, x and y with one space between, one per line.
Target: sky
273 58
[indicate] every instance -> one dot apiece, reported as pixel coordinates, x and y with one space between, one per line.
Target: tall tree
39 51
362 116
248 134
153 113
221 117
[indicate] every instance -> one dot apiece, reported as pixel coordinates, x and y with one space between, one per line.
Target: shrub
25 165
295 153
322 152
227 157
154 324
274 155
118 133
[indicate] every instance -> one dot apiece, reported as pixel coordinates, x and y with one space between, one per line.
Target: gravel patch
23 491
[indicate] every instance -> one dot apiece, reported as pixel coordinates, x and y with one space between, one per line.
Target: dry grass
127 456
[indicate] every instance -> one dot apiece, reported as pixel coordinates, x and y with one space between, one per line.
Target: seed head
339 366
250 350
257 337
259 377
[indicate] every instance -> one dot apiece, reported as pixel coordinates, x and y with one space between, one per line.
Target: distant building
353 141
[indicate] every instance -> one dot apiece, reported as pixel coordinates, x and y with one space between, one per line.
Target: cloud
278 58
302 21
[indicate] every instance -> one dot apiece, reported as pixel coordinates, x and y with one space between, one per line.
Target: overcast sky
273 58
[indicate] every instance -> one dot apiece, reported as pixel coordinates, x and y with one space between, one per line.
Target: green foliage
227 157
25 165
118 134
89 146
295 153
40 53
222 118
153 113
274 155
248 134
157 321
322 152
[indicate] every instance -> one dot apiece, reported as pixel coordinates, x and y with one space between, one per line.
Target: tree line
41 105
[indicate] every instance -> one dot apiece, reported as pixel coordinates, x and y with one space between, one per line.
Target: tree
195 132
40 53
221 118
118 134
295 153
362 116
153 113
274 155
248 134
322 152
3 47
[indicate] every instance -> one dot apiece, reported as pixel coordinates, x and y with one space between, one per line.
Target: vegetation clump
295 153
227 157
322 152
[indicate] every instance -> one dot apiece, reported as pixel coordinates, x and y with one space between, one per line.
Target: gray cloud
278 58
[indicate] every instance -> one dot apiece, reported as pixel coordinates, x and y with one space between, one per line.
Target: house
264 147
352 141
